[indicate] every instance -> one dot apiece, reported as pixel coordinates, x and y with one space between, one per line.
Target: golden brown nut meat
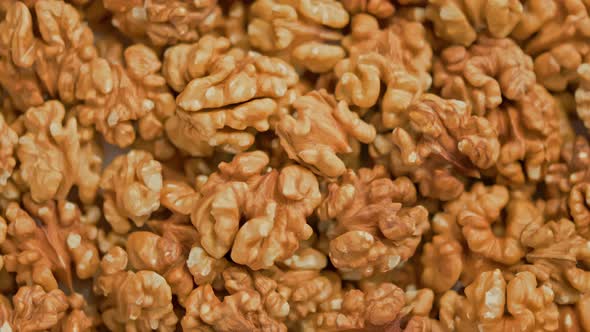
225 94
442 259
460 21
138 301
558 256
322 129
165 22
555 34
377 8
369 229
300 31
529 136
132 184
55 156
274 204
484 74
398 56
444 144
44 254
7 147
492 304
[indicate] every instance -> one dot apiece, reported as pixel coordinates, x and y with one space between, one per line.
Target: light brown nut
302 32
398 56
7 147
44 254
492 303
164 255
570 172
479 224
484 74
34 61
115 95
529 136
445 144
35 309
319 116
252 304
165 22
139 300
358 308
224 94
178 196
54 158
459 21
369 230
132 184
442 263
556 253
274 204
555 34
378 8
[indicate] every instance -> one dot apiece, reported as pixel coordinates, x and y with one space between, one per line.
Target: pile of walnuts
294 165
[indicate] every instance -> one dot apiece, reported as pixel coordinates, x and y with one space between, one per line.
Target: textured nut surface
132 184
319 117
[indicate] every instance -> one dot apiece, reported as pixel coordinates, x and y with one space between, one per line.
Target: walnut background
294 165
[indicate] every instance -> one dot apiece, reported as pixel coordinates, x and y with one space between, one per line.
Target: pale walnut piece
444 144
359 308
369 228
30 62
55 155
253 304
398 56
163 255
491 303
35 309
274 204
300 31
442 261
530 138
555 34
45 253
321 129
7 147
226 95
133 301
558 257
165 22
132 184
481 223
485 74
460 21
116 94
566 183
